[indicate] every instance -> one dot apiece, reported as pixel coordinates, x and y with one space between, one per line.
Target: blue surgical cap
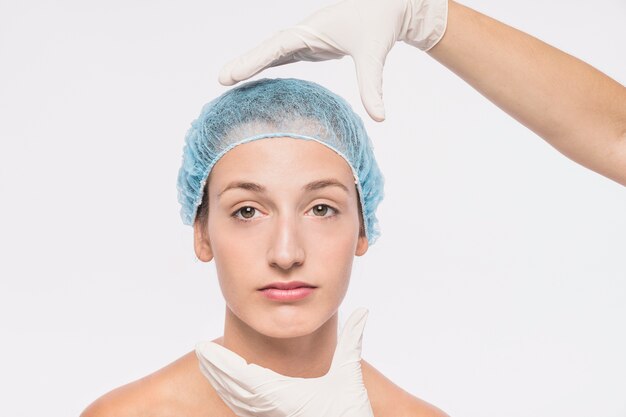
282 107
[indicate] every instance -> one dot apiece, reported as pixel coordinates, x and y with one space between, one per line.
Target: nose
286 250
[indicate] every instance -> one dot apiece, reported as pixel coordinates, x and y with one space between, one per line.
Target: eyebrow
258 188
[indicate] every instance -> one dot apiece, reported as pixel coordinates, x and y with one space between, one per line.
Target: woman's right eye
246 212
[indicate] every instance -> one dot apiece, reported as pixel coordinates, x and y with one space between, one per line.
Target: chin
285 333
288 322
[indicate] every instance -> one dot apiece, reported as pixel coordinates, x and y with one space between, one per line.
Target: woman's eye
246 212
320 210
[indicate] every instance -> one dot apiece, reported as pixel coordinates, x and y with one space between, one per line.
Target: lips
288 285
287 292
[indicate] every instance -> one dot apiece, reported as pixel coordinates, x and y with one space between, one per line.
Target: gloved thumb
350 340
369 73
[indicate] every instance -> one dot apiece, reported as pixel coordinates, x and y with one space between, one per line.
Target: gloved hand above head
251 390
364 29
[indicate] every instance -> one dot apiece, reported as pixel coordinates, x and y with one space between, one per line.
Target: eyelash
234 214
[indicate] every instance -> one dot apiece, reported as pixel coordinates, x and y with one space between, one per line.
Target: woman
281 185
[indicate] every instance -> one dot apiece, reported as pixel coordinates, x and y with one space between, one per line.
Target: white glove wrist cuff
428 23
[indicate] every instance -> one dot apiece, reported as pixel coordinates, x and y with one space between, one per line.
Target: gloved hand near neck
251 390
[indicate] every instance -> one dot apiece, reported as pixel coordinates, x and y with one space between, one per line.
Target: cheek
236 257
340 237
229 241
333 256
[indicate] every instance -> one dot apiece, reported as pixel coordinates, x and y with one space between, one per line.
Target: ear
201 242
361 246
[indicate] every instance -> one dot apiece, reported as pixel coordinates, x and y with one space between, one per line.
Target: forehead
281 160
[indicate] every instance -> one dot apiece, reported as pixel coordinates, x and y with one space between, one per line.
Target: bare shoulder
174 390
389 400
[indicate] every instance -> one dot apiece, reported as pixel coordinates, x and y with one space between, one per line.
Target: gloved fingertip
240 73
225 80
376 112
379 116
224 77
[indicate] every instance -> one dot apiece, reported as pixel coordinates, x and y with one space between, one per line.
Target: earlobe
201 243
361 246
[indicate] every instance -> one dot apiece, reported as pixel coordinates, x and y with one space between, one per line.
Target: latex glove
364 29
251 390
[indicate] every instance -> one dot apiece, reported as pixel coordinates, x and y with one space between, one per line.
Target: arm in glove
254 391
364 29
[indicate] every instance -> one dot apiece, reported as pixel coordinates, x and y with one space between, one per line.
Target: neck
307 356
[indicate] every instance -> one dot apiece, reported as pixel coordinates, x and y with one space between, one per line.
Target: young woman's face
300 222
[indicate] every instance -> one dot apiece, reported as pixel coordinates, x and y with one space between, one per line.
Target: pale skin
581 112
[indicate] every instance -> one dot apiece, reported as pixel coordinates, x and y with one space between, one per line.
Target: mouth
287 285
287 291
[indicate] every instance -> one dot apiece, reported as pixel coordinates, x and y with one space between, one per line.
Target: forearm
574 107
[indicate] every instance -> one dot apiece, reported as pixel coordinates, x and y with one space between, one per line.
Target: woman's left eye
320 210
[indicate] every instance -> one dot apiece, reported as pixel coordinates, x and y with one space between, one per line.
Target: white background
497 288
